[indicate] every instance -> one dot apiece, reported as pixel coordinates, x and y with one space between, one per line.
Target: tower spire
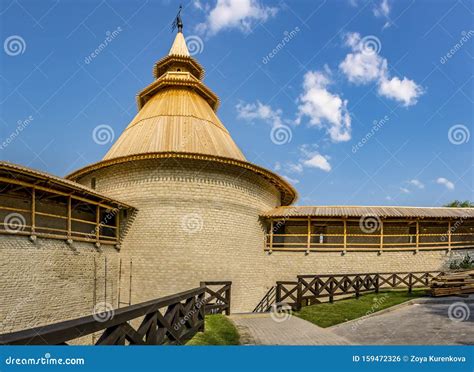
178 22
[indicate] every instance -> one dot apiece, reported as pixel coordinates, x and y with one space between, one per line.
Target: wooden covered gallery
354 228
38 204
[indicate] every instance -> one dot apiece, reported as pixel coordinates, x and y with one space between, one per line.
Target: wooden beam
117 224
309 233
69 216
381 234
33 210
449 233
271 234
417 233
345 233
97 223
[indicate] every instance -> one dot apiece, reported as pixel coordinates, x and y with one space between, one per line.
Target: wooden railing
217 300
171 320
354 242
313 287
50 213
267 301
342 234
310 289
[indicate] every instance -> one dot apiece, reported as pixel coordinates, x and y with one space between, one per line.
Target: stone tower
197 196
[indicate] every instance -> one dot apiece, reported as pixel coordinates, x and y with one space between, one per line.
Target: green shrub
466 263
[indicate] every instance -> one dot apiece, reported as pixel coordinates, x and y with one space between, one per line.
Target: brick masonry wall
196 221
287 265
199 221
49 281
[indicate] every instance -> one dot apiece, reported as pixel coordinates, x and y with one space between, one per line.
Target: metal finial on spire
178 22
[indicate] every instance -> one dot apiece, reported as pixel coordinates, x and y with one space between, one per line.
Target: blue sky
355 102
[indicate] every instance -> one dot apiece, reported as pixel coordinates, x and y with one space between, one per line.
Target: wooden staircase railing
170 320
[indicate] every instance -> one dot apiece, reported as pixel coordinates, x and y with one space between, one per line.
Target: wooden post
33 210
117 225
278 293
345 233
331 291
377 283
410 282
202 309
69 216
381 234
449 234
309 234
417 233
299 295
271 234
227 297
97 223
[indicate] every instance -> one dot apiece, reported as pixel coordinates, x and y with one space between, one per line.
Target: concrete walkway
262 329
431 321
424 321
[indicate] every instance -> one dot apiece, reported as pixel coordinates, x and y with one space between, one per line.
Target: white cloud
365 65
445 182
239 14
417 183
404 190
382 9
259 111
318 161
323 108
406 90
362 68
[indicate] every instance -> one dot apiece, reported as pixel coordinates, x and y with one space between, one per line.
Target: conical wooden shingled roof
176 113
177 119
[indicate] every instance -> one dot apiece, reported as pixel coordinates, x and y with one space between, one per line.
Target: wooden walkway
262 329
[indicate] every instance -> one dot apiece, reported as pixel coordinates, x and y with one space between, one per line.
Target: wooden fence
310 289
217 300
171 320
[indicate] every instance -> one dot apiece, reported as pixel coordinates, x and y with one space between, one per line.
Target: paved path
422 321
262 329
425 323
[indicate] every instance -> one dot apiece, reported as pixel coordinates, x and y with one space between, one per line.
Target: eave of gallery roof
24 176
378 211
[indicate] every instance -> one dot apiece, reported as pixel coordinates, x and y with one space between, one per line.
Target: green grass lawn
327 314
219 330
